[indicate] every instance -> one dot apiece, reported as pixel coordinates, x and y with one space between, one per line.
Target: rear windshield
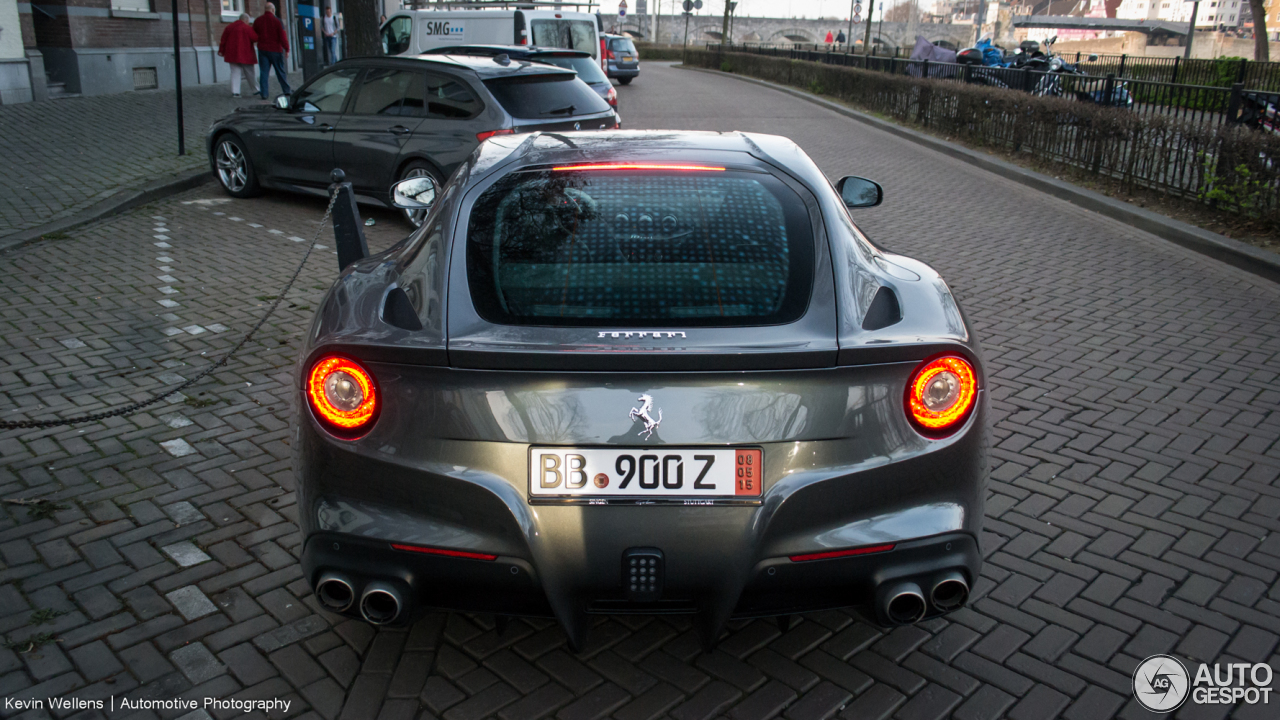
639 248
572 34
546 96
587 68
622 45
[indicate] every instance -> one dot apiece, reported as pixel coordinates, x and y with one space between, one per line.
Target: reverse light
490 133
342 393
941 393
443 552
637 166
864 550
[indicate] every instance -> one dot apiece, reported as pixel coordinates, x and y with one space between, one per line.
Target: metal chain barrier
135 407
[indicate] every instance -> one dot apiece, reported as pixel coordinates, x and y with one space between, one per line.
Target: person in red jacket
236 47
273 47
830 39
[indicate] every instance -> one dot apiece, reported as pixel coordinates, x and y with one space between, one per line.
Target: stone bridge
707 29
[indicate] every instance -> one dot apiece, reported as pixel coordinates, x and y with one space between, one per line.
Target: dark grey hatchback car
641 372
386 119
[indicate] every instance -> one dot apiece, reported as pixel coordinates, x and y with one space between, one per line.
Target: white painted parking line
193 329
167 278
171 331
169 303
217 328
162 245
73 343
164 259
167 290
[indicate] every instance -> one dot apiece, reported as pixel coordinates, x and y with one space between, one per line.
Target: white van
411 32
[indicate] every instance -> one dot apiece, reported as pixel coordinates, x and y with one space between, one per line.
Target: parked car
580 62
410 32
640 372
386 119
622 59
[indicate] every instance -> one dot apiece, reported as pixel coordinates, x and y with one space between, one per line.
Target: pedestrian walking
830 39
840 38
236 47
273 48
329 25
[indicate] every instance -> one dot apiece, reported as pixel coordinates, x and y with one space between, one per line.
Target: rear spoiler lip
643 359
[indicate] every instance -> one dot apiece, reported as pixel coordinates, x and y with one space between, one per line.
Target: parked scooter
1120 96
1260 111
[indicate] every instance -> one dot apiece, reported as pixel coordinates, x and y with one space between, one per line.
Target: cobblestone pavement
63 156
1132 496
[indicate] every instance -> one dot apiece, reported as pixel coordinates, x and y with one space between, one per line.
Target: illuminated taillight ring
342 393
940 394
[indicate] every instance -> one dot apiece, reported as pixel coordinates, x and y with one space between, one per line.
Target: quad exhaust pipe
950 592
903 603
335 592
380 603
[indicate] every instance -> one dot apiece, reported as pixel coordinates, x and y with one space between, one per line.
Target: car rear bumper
566 560
617 72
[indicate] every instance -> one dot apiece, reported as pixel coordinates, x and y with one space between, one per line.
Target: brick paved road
1136 421
61 157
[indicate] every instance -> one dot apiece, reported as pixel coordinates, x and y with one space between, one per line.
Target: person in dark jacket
236 47
273 48
840 38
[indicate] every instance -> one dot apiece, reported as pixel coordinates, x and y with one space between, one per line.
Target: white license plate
672 473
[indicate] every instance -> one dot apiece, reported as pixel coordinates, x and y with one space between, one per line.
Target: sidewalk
64 155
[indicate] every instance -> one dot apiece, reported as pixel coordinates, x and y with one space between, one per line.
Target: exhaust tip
906 604
380 604
950 592
335 592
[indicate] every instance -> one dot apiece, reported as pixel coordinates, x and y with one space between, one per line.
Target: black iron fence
1220 72
1187 140
1204 105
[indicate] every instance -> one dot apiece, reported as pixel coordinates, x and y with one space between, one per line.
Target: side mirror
859 192
282 102
416 193
1093 58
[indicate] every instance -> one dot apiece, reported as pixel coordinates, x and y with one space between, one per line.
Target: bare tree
1261 52
902 12
361 20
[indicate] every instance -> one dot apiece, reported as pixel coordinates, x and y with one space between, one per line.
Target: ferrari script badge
643 414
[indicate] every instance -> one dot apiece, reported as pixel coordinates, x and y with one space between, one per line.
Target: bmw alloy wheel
415 217
231 167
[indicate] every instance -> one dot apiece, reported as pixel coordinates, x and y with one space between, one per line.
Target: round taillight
941 394
342 393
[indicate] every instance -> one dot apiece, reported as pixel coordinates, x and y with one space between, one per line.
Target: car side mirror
859 192
282 102
416 193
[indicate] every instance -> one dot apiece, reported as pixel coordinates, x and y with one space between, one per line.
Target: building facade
95 47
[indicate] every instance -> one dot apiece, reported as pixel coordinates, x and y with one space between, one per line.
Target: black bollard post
348 230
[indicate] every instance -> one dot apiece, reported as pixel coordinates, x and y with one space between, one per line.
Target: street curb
123 200
1219 247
